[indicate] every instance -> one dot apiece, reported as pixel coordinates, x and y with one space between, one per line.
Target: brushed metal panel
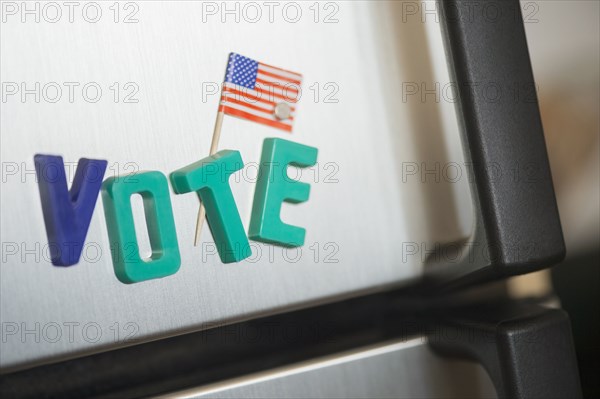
49 313
405 369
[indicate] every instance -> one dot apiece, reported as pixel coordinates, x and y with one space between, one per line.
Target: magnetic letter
273 187
67 214
116 197
209 178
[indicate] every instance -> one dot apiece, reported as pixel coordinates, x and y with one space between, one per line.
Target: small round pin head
282 111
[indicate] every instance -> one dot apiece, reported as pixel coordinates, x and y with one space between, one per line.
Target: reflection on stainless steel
390 370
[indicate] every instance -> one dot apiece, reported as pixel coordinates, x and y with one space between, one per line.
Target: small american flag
260 92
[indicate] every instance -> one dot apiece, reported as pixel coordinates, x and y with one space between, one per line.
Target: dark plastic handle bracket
527 350
518 228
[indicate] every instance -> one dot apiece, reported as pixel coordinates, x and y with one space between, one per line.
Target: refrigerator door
137 84
389 370
145 93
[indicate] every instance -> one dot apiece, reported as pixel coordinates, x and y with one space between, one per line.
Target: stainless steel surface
364 208
391 370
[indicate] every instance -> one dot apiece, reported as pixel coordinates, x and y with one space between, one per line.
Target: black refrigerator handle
517 224
526 349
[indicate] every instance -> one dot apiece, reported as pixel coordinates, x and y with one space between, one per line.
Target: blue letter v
67 214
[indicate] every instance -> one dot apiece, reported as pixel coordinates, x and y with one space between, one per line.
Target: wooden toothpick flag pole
213 148
256 92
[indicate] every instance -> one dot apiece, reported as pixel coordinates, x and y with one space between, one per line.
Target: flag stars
242 71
